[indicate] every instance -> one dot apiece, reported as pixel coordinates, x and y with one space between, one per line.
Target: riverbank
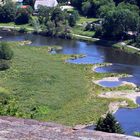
47 88
52 86
122 46
129 94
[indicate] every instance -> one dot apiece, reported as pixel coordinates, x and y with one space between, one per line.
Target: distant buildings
48 3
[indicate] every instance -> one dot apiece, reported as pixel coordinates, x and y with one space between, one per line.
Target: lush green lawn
13 25
84 20
51 89
79 30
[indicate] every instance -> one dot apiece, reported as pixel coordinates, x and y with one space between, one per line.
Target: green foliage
56 92
138 41
4 65
120 21
36 25
72 20
77 3
73 17
22 16
137 134
63 1
5 51
4 96
54 22
109 124
7 12
22 30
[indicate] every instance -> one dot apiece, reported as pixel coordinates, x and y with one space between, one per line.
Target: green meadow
44 87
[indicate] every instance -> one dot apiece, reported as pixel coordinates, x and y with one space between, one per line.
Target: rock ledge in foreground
24 129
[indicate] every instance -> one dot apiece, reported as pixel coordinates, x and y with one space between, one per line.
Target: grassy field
80 31
14 26
50 89
83 20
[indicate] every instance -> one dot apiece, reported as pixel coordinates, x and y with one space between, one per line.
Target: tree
5 51
73 17
58 15
109 124
77 3
22 16
119 21
44 14
63 1
7 12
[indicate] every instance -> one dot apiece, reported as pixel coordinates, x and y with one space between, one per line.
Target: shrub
137 134
138 41
7 12
5 51
4 65
72 20
109 124
98 31
22 16
22 30
3 96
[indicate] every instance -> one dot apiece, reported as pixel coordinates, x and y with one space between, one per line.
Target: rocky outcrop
24 129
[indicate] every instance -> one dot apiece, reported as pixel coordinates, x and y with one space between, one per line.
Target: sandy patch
131 95
114 106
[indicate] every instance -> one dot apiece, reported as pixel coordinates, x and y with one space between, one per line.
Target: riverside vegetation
88 18
43 86
34 86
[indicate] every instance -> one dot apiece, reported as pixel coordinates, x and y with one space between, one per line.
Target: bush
22 30
137 134
109 124
4 97
7 12
4 65
98 31
22 16
138 41
5 51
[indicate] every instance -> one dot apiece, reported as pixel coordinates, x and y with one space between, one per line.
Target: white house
17 1
48 3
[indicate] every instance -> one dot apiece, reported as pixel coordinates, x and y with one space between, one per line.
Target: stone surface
24 129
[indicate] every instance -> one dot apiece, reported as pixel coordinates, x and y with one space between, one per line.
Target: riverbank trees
109 124
119 21
10 13
7 12
6 54
55 22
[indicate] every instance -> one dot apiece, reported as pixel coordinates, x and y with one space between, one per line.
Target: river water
122 63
